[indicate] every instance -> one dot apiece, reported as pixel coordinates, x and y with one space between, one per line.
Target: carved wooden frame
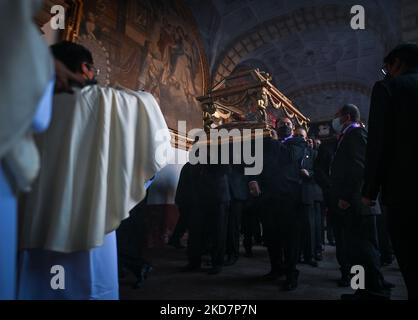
260 92
73 19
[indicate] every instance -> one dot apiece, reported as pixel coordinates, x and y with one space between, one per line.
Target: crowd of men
302 179
87 182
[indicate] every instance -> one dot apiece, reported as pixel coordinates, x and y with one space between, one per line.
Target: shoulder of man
295 141
382 85
359 133
399 82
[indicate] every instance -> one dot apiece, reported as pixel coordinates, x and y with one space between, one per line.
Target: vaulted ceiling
309 48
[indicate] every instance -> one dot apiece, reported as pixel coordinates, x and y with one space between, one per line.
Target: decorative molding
247 100
73 19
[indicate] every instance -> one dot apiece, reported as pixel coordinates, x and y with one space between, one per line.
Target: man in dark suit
208 222
238 189
184 202
296 205
263 187
385 245
358 222
322 167
251 225
318 207
391 160
308 240
131 242
335 221
280 188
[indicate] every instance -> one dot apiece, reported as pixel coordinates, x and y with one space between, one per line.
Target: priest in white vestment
102 147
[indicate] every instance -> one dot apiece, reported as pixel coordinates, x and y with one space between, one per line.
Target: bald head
350 111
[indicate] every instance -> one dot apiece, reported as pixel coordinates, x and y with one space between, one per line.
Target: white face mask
337 125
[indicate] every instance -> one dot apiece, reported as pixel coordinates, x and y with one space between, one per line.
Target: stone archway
286 25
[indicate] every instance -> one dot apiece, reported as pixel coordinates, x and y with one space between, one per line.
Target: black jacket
391 162
238 184
211 184
186 187
347 168
272 180
323 164
300 158
311 191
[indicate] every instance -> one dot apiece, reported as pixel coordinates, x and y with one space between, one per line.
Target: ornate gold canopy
248 99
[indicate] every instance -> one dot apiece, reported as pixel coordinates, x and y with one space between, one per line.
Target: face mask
337 125
284 131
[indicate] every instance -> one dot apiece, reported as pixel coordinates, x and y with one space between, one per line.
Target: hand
255 190
66 78
342 204
304 173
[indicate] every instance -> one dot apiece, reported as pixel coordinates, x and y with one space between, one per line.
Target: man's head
300 132
324 130
345 116
76 58
404 57
284 128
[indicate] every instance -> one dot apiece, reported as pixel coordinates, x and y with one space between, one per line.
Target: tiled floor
241 281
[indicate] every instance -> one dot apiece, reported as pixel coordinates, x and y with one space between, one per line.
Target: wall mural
150 45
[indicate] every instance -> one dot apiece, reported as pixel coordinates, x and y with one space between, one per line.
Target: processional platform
248 100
